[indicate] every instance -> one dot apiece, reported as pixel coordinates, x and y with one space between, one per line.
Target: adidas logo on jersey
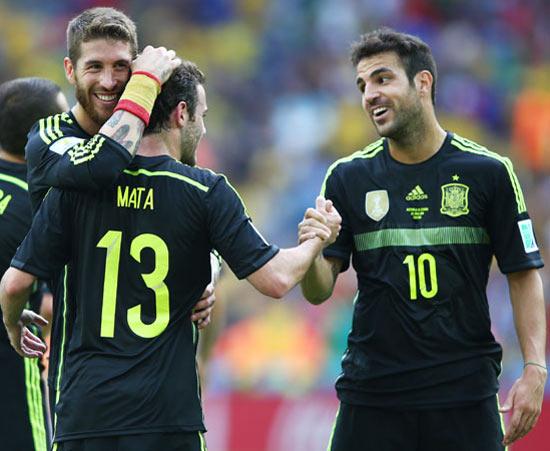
416 194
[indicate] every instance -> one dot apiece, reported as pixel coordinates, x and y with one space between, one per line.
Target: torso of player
419 230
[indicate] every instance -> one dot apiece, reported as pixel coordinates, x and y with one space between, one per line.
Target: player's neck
10 157
154 145
84 121
418 144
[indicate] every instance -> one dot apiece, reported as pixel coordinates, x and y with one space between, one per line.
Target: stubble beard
190 140
84 99
408 122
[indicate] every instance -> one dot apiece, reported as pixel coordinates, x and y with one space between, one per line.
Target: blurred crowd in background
283 106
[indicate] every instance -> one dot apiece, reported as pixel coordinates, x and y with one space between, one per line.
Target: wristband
535 364
139 95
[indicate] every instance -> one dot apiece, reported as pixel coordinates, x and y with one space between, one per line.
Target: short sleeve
343 246
232 233
510 227
46 248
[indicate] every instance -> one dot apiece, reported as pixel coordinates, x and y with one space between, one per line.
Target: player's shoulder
57 132
473 153
197 178
363 156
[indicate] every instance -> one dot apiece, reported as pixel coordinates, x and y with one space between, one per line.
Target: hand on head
157 61
323 222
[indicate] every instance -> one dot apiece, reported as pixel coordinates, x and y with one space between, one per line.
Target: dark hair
100 23
415 55
22 102
181 86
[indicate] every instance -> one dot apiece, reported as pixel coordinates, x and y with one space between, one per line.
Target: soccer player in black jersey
138 258
24 414
423 213
89 146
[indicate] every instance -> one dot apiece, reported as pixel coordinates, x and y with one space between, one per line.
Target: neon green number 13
111 241
420 267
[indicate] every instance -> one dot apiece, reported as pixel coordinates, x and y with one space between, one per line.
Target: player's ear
423 81
69 70
181 113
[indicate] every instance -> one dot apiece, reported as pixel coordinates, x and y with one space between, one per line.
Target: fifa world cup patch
527 236
454 199
377 204
62 145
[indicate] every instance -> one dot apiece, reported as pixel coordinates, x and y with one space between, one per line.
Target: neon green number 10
111 241
420 267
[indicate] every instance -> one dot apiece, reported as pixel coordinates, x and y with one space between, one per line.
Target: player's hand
25 343
525 403
202 311
323 222
157 61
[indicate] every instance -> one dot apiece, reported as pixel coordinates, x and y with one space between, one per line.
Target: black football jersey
422 238
138 259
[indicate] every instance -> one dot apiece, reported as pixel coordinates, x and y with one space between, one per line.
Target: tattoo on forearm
115 119
121 136
121 133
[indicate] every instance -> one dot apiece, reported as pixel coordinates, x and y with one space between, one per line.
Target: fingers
311 228
158 61
507 406
28 317
202 323
32 342
29 345
203 309
525 405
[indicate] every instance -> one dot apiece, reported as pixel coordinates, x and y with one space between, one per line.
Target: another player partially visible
23 413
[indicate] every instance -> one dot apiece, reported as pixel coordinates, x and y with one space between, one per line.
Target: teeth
379 110
107 98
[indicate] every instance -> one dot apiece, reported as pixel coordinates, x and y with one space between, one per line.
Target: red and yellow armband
139 95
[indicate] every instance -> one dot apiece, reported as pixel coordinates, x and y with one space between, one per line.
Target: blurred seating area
283 105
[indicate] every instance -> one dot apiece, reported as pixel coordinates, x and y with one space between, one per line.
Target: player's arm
15 288
44 250
69 162
271 270
280 274
318 282
320 229
526 395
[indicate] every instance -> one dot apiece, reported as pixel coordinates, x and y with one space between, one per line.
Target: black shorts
158 441
471 428
23 420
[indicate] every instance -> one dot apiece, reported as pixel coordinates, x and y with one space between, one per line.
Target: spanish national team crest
454 199
377 204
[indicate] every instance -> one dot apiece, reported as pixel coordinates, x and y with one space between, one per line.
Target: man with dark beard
423 212
130 380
